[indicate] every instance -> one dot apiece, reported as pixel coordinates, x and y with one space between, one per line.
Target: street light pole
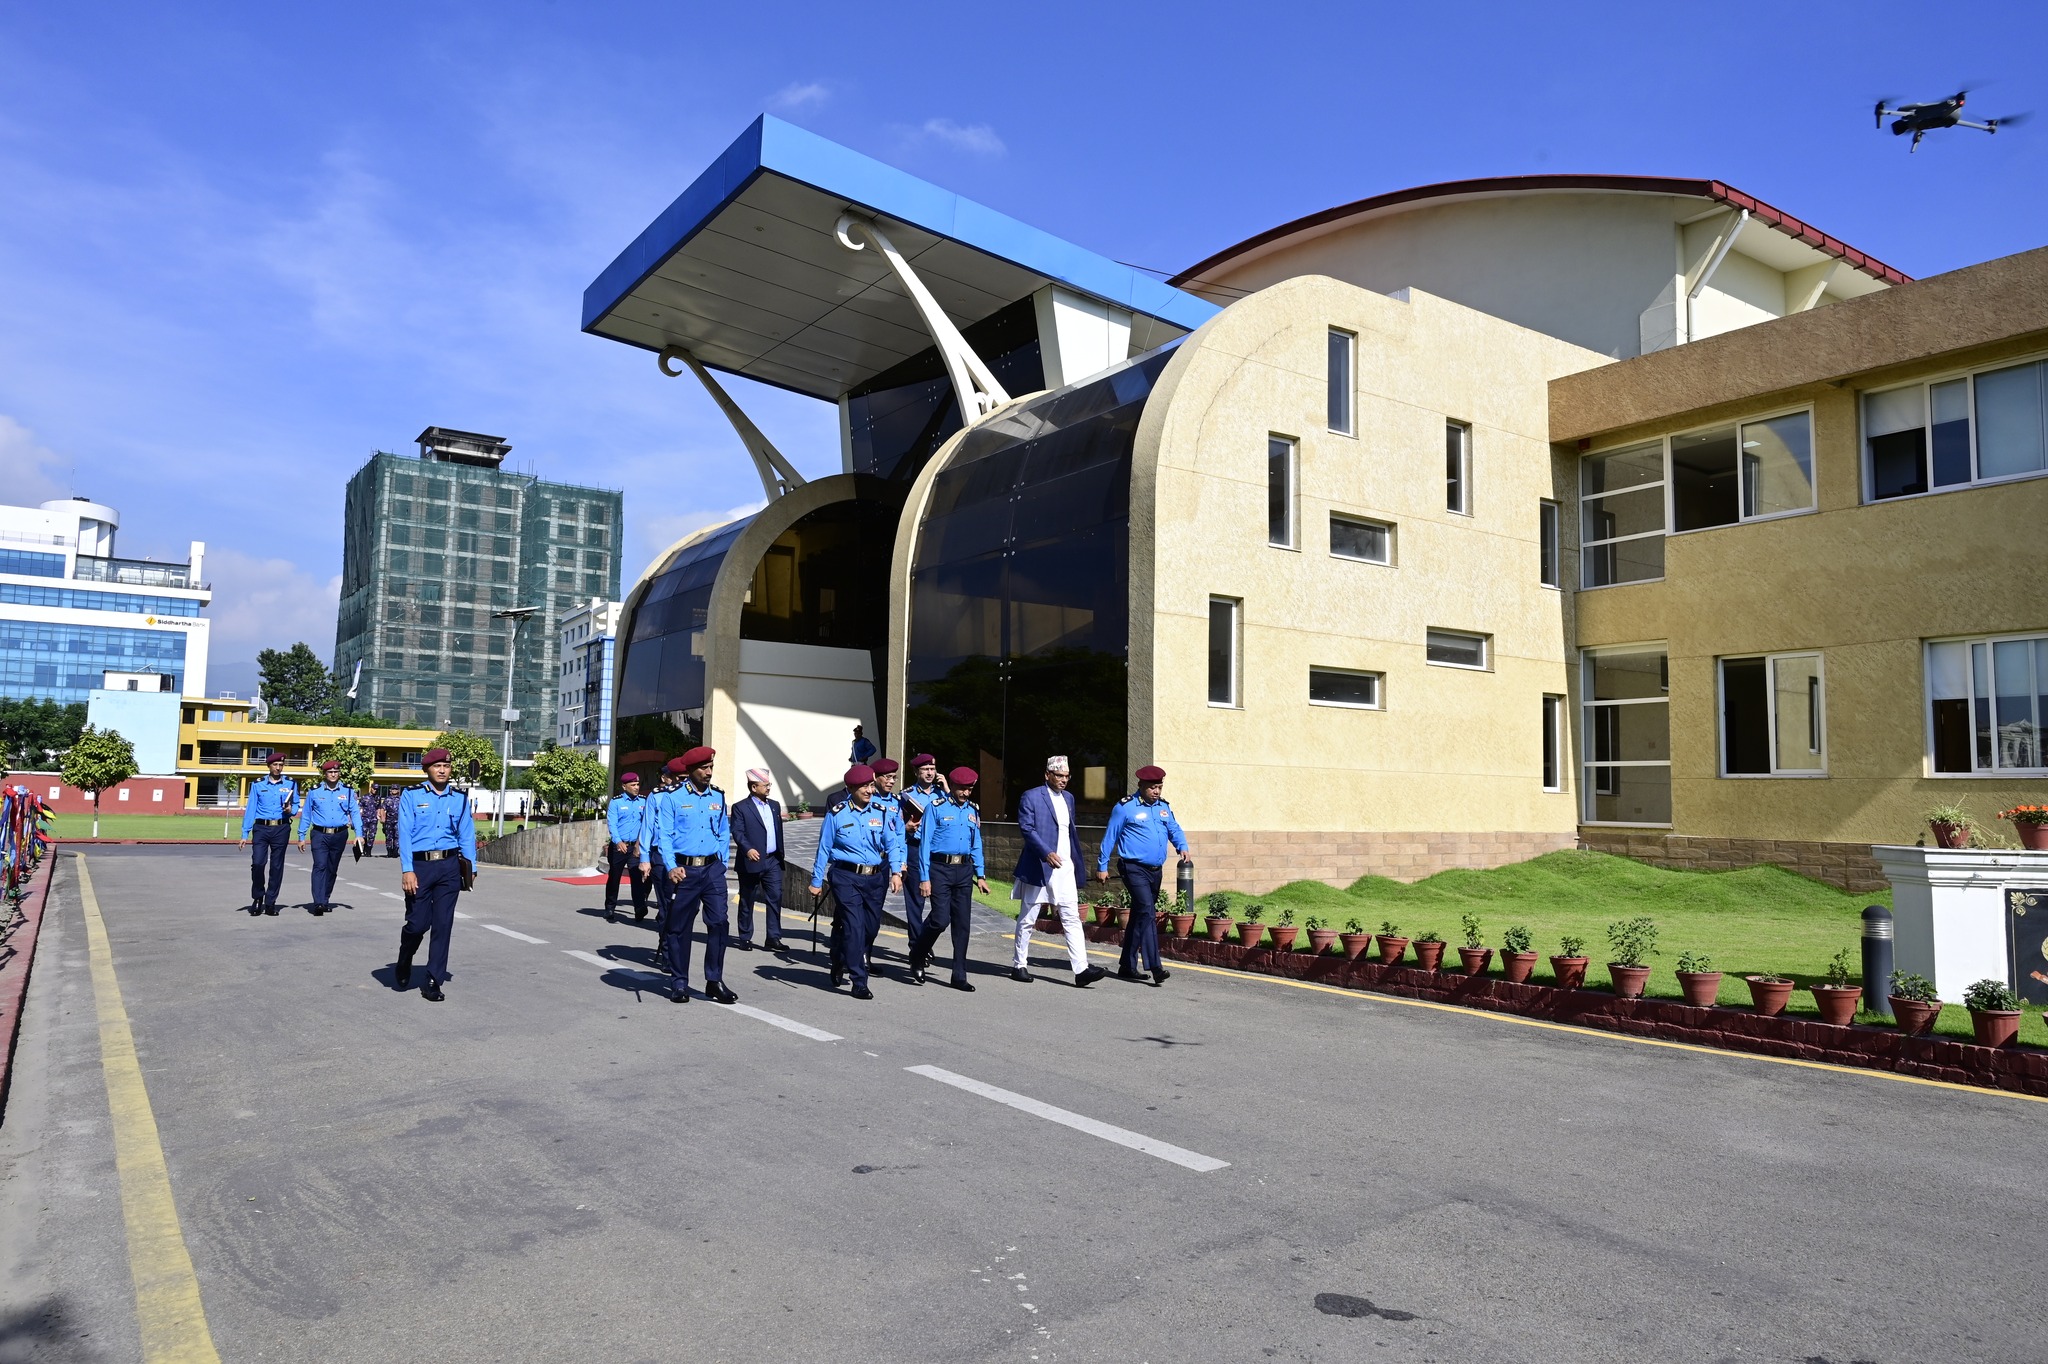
517 615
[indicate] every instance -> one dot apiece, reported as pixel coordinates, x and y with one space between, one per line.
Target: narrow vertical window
1222 651
1553 743
1341 344
1280 454
1458 468
1546 543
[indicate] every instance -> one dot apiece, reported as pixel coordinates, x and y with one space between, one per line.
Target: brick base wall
1846 866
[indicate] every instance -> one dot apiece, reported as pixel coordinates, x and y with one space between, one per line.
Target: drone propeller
1882 108
2010 120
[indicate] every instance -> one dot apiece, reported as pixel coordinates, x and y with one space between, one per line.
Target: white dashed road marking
391 895
508 932
592 958
786 1024
1137 1141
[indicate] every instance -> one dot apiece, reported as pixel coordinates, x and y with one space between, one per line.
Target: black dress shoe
742 945
271 910
838 977
863 992
679 994
774 945
1020 975
1159 976
716 992
1090 976
401 975
639 912
966 985
431 991
1122 974
917 965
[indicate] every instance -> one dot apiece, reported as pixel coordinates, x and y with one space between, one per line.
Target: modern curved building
1305 525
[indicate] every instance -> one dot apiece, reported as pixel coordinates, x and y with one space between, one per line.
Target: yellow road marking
167 1304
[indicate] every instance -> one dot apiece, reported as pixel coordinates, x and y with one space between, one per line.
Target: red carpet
577 880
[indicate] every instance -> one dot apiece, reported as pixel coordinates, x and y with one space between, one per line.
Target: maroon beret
1151 774
860 774
275 757
922 759
628 777
962 776
697 757
434 755
884 766
676 766
330 766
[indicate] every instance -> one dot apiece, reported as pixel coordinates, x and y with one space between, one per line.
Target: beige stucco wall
1452 750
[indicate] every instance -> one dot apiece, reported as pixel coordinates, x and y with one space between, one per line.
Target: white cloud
799 95
267 603
977 138
29 471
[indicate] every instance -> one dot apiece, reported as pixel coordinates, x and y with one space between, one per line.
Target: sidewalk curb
17 959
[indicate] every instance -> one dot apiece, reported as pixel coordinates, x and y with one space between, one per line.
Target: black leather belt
330 828
1148 866
951 859
267 822
858 869
438 854
694 861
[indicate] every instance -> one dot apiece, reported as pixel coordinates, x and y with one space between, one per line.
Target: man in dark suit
1049 872
757 830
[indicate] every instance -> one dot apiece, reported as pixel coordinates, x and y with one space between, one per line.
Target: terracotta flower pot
1628 980
1995 1027
1700 987
1768 997
2033 837
1183 925
1248 935
1428 954
1284 935
1915 1018
1950 835
1570 971
1102 913
1516 966
1355 944
1218 928
1320 940
1391 949
1837 1003
1476 959
1123 917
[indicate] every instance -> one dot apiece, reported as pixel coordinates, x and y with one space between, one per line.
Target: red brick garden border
17 958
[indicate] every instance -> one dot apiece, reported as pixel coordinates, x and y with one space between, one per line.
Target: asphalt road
560 1164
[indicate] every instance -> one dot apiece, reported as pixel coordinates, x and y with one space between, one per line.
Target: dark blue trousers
952 907
913 898
663 890
1141 932
432 910
763 881
858 918
327 851
627 863
702 888
267 842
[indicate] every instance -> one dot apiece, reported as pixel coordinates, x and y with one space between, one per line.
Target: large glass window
1341 344
64 662
897 419
1223 651
1621 503
1627 740
30 564
1980 427
1280 460
1742 473
84 599
1988 705
1353 537
1458 468
1772 716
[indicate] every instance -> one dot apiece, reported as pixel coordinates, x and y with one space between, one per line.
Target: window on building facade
1988 705
1748 472
1977 428
1553 743
1627 739
1280 464
1343 687
1223 651
1548 529
1353 537
1456 649
1621 507
1772 716
1458 468
1340 375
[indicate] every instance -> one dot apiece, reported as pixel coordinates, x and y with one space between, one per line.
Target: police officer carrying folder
915 800
949 863
692 834
437 854
333 815
268 818
624 820
860 849
1140 828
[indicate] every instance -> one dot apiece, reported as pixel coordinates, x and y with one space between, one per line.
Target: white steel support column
973 382
778 475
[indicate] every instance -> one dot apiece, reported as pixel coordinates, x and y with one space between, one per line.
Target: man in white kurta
1048 872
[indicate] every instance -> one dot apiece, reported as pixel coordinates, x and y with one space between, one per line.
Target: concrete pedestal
1949 907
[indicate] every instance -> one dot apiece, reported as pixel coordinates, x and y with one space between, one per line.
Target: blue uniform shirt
329 807
691 823
950 826
893 803
923 798
624 817
269 800
1140 830
866 838
429 821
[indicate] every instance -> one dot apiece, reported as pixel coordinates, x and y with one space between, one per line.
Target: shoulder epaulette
1128 799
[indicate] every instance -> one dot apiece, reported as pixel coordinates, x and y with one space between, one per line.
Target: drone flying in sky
1922 119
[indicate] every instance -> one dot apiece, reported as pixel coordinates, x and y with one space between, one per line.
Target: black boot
408 944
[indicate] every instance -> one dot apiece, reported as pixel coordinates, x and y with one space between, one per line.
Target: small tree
100 759
358 764
295 679
568 780
463 746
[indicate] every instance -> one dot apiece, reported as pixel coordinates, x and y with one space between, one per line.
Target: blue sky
241 246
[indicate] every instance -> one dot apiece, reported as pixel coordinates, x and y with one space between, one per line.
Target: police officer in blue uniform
436 844
333 814
268 819
915 800
653 870
1140 828
693 834
860 848
624 819
949 863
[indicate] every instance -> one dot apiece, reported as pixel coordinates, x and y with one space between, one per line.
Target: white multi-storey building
583 700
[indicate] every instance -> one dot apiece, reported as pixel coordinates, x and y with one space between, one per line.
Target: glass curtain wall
661 691
825 582
898 418
1019 612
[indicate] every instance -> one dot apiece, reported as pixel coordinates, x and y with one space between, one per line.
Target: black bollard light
1877 960
1184 887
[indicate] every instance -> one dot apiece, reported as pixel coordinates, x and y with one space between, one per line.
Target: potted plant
1120 906
2031 823
1697 978
1429 949
1768 993
1475 954
800 810
1355 939
1183 917
1391 943
1631 940
1218 922
1837 999
1517 958
1914 1003
1103 906
1950 823
1284 932
1321 938
1251 930
1569 965
1994 1012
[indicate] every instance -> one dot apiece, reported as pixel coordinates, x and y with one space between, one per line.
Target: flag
355 680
